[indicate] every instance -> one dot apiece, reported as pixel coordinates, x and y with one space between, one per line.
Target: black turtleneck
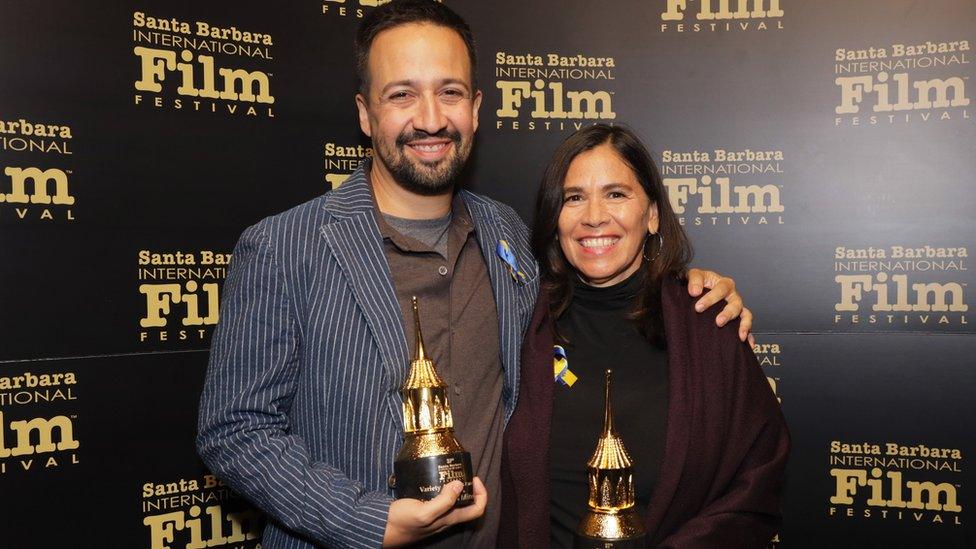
601 337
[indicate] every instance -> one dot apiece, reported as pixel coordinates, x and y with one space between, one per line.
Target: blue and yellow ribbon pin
504 251
560 367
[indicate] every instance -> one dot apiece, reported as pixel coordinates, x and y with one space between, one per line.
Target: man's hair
403 12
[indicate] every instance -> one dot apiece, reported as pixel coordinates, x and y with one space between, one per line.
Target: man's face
421 112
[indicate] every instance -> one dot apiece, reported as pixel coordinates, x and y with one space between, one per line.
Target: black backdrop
848 232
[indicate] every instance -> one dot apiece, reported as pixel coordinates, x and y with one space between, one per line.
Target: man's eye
616 194
572 198
398 95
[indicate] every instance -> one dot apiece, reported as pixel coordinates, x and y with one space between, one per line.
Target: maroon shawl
726 445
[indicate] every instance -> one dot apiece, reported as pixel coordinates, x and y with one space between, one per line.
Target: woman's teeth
598 242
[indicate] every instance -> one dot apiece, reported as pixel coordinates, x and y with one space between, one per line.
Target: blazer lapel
355 241
489 232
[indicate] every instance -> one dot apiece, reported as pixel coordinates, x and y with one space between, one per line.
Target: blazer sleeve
244 434
744 507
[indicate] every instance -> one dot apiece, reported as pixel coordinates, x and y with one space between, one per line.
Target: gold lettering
41 180
45 436
238 84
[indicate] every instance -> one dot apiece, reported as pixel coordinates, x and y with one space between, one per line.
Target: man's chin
424 182
427 188
436 177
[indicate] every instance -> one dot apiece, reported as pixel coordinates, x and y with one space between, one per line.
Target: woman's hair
671 259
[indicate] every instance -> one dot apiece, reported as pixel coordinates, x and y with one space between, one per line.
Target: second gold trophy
430 456
611 519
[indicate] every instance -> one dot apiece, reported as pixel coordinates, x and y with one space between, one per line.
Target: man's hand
411 519
721 287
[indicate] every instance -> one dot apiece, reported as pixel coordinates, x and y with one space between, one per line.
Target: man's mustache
416 135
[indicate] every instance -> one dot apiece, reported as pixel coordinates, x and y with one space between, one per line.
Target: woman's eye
572 198
616 194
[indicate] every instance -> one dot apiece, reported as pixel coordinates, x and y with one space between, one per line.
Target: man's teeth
598 242
429 148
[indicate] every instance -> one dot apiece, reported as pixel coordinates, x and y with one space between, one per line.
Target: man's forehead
416 50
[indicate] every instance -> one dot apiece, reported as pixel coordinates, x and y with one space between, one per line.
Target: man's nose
429 116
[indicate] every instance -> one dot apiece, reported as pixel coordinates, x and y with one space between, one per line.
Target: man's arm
721 287
244 435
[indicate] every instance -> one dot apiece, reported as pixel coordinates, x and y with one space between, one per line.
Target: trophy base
583 542
604 530
422 478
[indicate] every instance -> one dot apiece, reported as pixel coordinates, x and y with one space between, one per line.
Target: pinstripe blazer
301 411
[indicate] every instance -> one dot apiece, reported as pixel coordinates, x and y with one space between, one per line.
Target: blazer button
442 270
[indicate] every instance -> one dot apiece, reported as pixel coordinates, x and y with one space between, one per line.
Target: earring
660 246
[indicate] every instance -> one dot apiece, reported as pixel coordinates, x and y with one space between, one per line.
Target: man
301 412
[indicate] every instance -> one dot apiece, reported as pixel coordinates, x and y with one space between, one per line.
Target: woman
707 438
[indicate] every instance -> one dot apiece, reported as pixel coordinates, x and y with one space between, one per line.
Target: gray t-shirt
432 232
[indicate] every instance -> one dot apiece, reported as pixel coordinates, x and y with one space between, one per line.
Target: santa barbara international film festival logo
37 428
181 294
341 160
893 481
902 83
197 513
680 16
35 174
552 91
725 187
201 67
901 287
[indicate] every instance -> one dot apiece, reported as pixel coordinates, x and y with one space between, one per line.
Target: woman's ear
652 220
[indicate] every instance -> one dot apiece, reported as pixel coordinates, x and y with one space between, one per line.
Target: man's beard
420 177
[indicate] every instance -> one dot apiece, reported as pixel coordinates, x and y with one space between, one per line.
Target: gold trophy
610 519
430 457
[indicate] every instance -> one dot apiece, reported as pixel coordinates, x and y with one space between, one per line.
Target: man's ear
652 220
475 107
363 108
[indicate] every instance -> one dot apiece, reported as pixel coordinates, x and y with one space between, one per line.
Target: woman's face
605 217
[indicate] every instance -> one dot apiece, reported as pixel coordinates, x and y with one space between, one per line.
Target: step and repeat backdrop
822 153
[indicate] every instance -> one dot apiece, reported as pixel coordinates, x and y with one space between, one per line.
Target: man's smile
430 150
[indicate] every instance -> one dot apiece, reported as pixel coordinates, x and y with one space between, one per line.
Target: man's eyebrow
456 81
413 83
408 83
